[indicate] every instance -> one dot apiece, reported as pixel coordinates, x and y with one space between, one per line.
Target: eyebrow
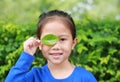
66 35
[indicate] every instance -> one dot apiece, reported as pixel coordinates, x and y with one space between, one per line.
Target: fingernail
38 40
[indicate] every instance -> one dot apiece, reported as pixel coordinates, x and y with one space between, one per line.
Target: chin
56 62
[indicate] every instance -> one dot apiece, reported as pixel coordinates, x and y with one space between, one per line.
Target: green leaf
49 39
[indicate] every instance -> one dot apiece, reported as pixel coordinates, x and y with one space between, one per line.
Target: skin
58 54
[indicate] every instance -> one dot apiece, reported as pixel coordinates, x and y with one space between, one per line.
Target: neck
62 70
63 65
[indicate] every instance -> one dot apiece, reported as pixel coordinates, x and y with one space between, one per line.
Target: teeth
55 53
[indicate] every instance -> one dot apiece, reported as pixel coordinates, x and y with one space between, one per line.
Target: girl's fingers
37 42
31 45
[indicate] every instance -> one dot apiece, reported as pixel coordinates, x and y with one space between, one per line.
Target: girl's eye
63 39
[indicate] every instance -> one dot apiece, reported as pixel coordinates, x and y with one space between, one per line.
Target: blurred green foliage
98 32
98 49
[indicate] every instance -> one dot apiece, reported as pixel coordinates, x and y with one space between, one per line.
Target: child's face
59 52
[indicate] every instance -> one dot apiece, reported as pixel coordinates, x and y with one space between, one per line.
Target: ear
74 43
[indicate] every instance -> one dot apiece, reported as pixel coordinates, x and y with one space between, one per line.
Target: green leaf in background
49 39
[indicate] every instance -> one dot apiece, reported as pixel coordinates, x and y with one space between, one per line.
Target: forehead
61 19
56 27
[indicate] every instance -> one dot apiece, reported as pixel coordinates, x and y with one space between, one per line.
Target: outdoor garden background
98 32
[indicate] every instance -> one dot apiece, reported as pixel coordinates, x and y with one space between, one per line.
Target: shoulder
36 73
39 70
82 70
84 74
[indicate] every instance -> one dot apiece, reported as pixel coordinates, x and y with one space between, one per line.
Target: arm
19 71
21 68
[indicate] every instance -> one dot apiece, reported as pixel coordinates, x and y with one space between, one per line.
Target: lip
56 55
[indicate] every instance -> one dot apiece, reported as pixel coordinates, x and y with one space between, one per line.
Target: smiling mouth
56 55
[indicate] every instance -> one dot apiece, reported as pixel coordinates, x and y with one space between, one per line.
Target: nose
56 46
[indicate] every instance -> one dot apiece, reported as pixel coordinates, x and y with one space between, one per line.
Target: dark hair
45 17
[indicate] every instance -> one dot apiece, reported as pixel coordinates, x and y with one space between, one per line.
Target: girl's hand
31 45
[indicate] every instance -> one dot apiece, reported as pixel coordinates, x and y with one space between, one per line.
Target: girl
58 68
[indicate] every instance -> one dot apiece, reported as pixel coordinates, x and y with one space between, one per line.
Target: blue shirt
20 73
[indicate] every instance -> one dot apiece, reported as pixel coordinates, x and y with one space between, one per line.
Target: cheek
70 44
45 49
68 47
